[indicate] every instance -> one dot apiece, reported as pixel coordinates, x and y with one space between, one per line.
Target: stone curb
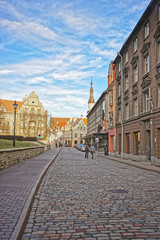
132 163
18 231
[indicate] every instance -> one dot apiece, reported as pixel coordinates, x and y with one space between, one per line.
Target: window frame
146 30
135 45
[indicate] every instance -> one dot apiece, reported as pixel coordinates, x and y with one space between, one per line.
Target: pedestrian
92 149
106 150
86 151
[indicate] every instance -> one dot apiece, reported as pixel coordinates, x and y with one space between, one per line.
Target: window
126 56
21 130
126 84
158 52
8 123
31 131
119 89
8 116
111 119
146 64
146 107
0 130
119 66
84 128
158 96
146 30
81 135
127 111
135 45
75 135
135 109
119 115
111 98
21 124
135 74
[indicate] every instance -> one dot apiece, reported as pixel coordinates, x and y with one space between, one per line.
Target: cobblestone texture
16 184
95 199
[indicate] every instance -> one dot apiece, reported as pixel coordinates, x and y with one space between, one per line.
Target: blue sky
54 47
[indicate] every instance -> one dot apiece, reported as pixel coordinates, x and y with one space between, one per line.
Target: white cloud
6 72
27 29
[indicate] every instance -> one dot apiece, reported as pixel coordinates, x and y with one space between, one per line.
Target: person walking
92 150
106 150
86 151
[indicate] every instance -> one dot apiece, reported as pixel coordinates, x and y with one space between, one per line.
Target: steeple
91 101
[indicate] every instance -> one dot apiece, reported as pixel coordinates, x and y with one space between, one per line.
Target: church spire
91 101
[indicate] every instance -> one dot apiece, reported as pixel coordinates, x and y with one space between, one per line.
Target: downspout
122 109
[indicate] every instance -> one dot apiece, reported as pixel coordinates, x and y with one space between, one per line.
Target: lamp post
15 107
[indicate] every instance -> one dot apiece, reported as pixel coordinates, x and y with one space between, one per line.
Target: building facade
31 117
138 90
98 122
112 108
74 131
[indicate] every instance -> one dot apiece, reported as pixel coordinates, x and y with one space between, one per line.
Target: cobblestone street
95 199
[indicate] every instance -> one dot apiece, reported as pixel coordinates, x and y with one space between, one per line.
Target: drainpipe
122 109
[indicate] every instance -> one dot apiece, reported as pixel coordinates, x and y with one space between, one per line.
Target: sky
55 48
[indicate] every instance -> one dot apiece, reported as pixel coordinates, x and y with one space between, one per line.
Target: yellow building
31 117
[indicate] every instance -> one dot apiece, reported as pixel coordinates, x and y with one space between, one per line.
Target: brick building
138 90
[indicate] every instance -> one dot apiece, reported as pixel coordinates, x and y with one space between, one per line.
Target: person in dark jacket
106 150
86 151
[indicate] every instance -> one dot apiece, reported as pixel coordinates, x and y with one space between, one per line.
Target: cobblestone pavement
95 199
17 186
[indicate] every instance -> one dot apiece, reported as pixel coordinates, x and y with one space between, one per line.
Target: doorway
148 145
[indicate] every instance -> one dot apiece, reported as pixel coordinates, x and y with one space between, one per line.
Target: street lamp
15 107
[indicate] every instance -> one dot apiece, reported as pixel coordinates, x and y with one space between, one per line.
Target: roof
8 104
55 121
138 26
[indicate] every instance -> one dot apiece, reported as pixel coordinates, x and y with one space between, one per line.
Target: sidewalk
18 185
142 165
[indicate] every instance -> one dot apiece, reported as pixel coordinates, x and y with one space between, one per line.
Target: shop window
127 143
136 149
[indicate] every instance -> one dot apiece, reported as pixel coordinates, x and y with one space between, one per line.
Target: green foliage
4 144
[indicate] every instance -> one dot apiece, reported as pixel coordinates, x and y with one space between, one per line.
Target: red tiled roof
8 104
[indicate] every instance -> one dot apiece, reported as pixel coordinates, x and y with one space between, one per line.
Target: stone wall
9 157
